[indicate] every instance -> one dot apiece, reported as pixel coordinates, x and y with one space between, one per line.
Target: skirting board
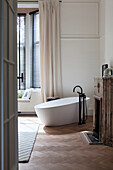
26 114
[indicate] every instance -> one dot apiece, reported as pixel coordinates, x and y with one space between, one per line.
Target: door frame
1 89
8 89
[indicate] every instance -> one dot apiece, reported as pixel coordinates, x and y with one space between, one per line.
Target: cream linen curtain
50 61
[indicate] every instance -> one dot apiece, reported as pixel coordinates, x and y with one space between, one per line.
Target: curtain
50 61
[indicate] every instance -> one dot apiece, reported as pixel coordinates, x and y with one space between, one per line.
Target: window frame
33 47
19 76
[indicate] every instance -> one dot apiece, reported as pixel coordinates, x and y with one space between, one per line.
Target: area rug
27 132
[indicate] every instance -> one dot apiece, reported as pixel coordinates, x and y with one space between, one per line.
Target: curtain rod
31 1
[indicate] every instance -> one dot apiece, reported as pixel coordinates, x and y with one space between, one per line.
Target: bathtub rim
39 106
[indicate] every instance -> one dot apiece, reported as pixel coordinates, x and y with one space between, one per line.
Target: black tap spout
79 87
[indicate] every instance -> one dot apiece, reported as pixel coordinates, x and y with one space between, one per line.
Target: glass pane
37 65
36 28
17 30
35 53
22 29
22 65
18 64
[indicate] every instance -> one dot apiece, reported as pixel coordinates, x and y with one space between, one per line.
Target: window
35 51
21 27
28 50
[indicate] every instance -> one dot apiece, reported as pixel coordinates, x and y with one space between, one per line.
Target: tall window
35 51
21 18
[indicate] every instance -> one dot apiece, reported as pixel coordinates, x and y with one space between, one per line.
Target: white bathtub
59 112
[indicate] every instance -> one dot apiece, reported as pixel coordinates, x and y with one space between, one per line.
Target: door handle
21 77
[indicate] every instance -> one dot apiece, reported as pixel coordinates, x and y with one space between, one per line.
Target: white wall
102 34
106 32
79 46
109 32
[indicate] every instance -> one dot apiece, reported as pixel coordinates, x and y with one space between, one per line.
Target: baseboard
27 114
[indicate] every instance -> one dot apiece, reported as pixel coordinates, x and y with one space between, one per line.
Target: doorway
28 73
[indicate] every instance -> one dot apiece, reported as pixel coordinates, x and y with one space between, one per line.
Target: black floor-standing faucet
81 95
79 87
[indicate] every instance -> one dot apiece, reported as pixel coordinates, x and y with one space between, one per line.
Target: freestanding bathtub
59 112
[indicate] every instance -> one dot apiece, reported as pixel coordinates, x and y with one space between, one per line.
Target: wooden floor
61 148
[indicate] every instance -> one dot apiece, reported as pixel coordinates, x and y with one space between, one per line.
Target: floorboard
62 148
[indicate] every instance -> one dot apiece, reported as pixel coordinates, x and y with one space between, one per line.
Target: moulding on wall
80 36
80 1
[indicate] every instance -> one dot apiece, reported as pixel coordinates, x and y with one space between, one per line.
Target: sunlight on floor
25 124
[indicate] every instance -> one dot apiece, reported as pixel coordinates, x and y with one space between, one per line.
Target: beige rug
27 133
